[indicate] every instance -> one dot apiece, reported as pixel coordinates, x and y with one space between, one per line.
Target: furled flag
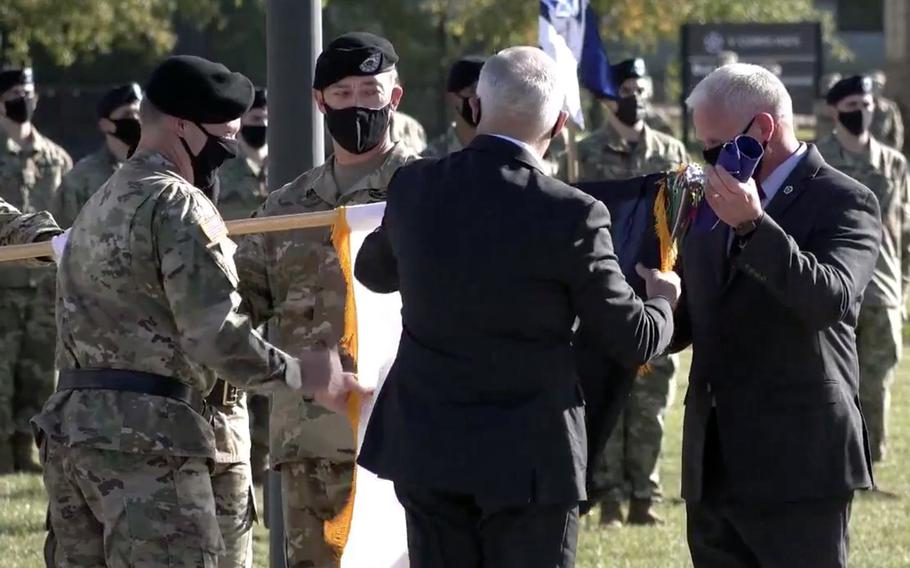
371 530
569 34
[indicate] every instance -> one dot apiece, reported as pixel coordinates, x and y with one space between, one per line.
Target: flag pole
235 228
572 152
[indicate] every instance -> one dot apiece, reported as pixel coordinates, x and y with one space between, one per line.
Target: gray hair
743 89
521 85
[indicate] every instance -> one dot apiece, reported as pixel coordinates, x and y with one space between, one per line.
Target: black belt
131 381
224 395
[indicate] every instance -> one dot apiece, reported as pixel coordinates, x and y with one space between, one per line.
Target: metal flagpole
296 144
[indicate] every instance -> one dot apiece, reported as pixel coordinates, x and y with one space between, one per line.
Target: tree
71 30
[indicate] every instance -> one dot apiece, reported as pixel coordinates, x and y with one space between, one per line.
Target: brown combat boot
24 458
610 514
641 513
6 457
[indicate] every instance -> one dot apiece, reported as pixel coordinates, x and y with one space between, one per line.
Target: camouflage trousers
314 491
28 336
235 506
116 510
629 464
879 345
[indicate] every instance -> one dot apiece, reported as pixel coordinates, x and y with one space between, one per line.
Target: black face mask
128 131
253 135
852 121
21 110
358 130
630 112
710 155
467 113
209 159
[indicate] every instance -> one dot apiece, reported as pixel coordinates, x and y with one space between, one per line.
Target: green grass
880 529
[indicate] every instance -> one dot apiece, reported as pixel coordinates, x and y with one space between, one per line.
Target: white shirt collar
772 183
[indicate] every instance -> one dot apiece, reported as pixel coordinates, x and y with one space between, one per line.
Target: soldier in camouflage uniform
887 121
293 282
627 147
31 167
855 151
243 179
118 121
147 310
824 125
461 87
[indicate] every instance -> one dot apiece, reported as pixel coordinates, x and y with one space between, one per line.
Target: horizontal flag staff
235 228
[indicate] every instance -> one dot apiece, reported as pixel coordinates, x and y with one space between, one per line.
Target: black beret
117 97
10 78
855 85
260 99
465 72
355 53
200 90
628 69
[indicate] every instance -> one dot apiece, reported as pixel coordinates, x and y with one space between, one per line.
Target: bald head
520 95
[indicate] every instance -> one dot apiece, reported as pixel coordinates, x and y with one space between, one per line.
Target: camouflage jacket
605 155
81 183
148 283
242 188
28 181
883 170
408 132
888 124
293 283
17 228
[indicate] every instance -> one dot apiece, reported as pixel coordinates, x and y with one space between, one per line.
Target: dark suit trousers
448 530
723 533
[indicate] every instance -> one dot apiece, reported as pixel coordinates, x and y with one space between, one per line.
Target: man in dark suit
774 443
480 423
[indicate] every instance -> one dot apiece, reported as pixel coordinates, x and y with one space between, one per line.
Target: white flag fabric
378 537
562 37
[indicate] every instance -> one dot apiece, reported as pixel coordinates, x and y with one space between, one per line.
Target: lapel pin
788 190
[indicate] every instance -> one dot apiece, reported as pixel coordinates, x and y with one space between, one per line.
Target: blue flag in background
569 34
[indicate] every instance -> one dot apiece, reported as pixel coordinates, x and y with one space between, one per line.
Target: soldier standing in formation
147 306
461 87
887 122
625 147
854 150
31 168
293 281
118 121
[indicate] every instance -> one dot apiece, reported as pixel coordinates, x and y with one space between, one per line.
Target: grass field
880 528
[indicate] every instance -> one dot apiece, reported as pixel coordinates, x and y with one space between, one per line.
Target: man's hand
331 384
58 243
734 202
660 284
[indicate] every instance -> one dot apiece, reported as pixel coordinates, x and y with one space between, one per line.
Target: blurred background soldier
243 179
118 121
887 122
461 87
854 150
824 123
31 168
625 147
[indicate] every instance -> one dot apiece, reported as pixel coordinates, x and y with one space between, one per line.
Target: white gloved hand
58 243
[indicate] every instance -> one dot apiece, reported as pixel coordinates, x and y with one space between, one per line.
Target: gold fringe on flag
668 249
337 530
